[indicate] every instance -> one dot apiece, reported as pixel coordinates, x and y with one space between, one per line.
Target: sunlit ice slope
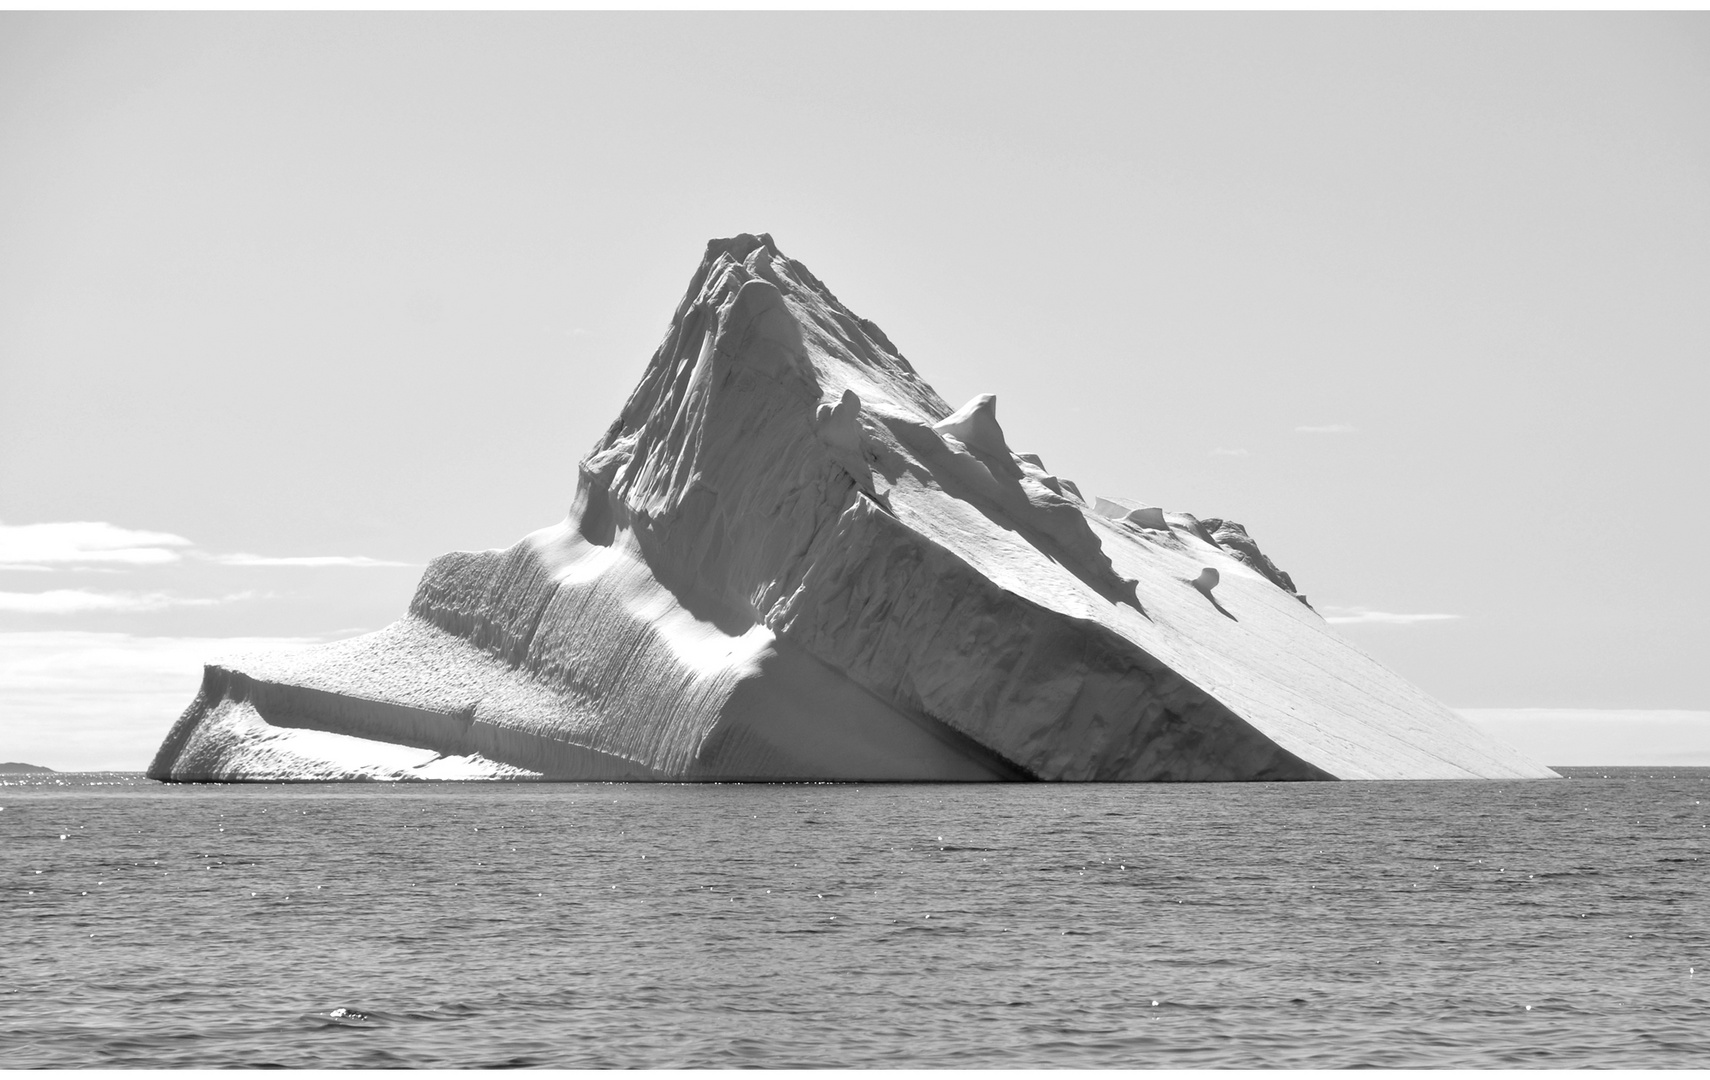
789 559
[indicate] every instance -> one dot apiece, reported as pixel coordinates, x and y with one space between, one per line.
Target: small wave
342 1017
455 1010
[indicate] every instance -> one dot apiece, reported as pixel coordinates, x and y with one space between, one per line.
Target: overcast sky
290 304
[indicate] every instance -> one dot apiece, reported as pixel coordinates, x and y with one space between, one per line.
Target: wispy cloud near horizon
1349 615
1326 429
302 560
61 543
86 602
105 546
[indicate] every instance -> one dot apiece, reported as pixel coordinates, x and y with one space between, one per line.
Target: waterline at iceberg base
790 559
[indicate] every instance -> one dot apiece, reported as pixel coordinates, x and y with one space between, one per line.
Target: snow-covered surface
790 559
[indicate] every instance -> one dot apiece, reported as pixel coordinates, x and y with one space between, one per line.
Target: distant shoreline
1568 772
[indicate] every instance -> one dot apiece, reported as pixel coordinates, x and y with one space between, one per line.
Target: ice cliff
789 558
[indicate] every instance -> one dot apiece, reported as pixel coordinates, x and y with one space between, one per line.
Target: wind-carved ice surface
790 559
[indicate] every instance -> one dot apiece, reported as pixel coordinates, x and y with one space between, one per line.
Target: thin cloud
1221 452
100 545
84 601
1327 429
65 543
302 560
1346 615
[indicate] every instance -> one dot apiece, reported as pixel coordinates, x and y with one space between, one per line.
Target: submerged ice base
789 559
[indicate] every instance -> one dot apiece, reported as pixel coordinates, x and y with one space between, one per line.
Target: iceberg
790 559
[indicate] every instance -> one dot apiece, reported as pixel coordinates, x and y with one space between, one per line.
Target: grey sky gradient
1423 300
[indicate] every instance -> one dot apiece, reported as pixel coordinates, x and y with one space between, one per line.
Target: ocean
1557 924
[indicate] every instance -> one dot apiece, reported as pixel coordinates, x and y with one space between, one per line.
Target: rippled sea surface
1559 924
